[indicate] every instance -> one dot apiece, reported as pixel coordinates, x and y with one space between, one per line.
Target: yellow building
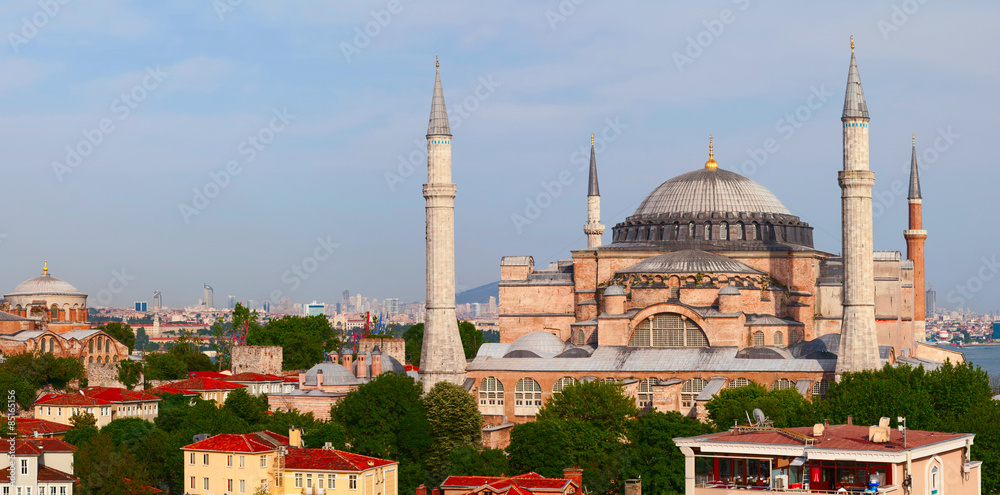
105 403
231 463
207 388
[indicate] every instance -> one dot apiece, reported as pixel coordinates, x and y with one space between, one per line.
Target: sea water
985 356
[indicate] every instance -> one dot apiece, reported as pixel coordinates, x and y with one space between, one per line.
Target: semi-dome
690 261
540 343
45 285
711 190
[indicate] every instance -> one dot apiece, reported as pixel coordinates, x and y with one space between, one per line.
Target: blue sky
309 204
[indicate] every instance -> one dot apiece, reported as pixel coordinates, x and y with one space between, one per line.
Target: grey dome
614 290
707 191
543 344
729 290
333 374
690 261
45 285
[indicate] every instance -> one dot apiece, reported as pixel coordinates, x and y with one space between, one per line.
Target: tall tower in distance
594 228
208 297
858 338
915 237
157 301
443 358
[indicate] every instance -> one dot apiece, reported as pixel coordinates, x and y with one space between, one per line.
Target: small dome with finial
711 164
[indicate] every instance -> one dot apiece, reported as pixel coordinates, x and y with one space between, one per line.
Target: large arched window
562 382
724 231
55 313
645 398
668 330
793 336
613 381
690 230
779 338
690 390
527 397
52 343
782 383
90 346
756 232
708 231
738 382
491 396
819 388
758 338
739 231
677 232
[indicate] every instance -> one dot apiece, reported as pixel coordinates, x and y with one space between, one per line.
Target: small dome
333 374
729 290
45 285
614 290
543 344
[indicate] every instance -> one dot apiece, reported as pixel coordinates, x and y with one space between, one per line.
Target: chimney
575 475
294 437
376 362
362 366
436 491
319 378
302 378
633 487
826 423
347 361
850 420
421 490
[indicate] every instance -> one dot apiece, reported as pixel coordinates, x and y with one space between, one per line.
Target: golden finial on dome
45 268
437 62
914 140
592 139
852 43
711 164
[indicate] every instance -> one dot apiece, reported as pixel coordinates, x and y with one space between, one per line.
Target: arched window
90 360
782 383
107 345
779 339
55 313
819 388
738 382
690 230
739 231
758 338
52 343
581 337
645 398
756 232
724 231
708 231
793 336
690 390
613 381
677 232
527 397
90 346
935 481
668 330
491 396
562 382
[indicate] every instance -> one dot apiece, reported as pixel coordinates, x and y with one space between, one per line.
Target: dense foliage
25 373
304 340
122 332
472 340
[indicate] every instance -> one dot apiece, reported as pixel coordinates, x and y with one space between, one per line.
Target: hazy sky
297 131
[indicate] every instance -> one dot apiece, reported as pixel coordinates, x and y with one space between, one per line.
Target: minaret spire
443 358
594 228
858 337
915 237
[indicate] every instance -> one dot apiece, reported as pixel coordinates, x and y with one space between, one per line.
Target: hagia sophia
711 283
47 314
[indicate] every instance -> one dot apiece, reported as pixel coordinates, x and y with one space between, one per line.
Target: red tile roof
196 385
28 426
71 400
839 437
207 374
525 484
37 446
118 394
46 474
253 377
331 460
258 442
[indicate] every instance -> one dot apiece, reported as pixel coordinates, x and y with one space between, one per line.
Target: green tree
413 339
24 391
454 420
474 460
304 340
472 338
122 332
325 432
786 408
164 366
80 436
141 339
82 419
103 468
601 404
540 446
246 406
651 453
130 433
129 373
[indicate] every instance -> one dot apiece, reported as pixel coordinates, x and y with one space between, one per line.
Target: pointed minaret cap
854 100
438 123
592 189
914 176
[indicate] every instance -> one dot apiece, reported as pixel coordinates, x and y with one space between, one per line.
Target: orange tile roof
525 484
253 377
28 426
330 460
38 446
198 384
45 473
839 437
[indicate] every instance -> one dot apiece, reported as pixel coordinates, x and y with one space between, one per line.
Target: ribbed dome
542 343
707 190
690 261
45 285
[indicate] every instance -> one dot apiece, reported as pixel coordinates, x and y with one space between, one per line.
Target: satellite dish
759 416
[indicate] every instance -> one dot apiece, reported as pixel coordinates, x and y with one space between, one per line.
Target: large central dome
711 190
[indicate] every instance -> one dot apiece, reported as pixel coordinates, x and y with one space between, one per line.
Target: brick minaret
915 236
858 340
594 228
443 359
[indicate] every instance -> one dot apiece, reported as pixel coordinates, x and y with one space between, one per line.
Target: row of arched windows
709 231
528 392
777 339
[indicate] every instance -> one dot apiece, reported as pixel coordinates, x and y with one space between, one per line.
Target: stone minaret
594 228
858 340
915 236
443 359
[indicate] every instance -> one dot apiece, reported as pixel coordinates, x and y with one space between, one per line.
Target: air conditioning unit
779 482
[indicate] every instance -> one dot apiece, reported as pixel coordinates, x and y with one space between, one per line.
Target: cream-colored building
41 465
105 403
210 389
236 464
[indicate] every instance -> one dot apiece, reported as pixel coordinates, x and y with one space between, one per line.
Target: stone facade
257 359
104 375
391 347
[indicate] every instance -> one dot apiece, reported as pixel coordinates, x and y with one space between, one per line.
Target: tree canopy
304 340
454 421
122 332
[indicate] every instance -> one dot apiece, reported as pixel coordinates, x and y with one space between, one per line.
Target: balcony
713 488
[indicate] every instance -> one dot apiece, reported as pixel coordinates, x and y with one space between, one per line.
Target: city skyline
332 200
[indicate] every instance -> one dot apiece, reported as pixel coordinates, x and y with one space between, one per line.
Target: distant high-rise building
930 301
232 302
208 299
140 306
157 301
266 306
392 305
476 309
345 300
492 307
251 304
314 308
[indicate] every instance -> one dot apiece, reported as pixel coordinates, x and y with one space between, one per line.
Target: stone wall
319 405
104 375
257 359
393 347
